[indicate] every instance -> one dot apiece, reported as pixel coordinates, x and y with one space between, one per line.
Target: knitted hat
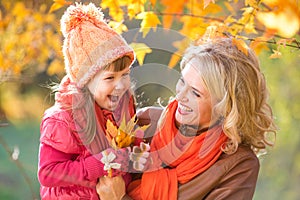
89 43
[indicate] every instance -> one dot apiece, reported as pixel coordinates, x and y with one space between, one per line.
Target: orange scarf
186 157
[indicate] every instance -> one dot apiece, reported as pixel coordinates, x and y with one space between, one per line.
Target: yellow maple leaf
58 4
119 27
174 59
241 45
192 26
258 44
111 129
275 54
125 135
56 67
140 50
134 8
252 3
229 20
181 47
207 2
283 42
109 4
20 10
115 10
149 20
250 26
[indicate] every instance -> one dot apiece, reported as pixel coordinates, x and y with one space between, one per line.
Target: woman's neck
192 130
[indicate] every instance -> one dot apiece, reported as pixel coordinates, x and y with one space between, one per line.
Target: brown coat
231 177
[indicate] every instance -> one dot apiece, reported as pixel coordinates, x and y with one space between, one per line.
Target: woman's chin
181 119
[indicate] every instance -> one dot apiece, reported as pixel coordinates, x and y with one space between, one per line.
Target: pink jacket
66 168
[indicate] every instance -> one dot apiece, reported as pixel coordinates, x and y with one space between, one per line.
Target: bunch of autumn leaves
129 134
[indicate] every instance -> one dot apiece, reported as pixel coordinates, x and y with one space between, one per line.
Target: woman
207 137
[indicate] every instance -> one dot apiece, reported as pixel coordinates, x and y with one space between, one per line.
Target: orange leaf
241 45
56 67
181 47
174 7
58 4
167 21
174 59
111 129
258 45
283 42
153 2
207 2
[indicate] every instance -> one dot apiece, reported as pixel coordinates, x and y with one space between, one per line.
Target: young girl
96 88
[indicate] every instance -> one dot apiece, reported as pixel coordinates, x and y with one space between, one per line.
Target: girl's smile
108 87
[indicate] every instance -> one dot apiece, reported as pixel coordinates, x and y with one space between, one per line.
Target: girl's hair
238 91
83 103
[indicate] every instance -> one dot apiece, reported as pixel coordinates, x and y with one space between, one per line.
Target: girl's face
108 87
194 101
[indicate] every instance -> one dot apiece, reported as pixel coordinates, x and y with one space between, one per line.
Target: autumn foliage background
31 58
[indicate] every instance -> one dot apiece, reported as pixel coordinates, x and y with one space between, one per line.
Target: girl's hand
118 162
111 188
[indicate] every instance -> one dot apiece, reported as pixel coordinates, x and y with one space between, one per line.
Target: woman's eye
181 80
196 94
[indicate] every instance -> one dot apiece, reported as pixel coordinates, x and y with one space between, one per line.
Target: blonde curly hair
238 90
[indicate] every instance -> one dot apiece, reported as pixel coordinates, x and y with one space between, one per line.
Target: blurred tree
30 45
30 54
29 39
258 21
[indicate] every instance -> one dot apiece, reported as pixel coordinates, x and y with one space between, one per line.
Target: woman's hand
111 188
139 156
149 115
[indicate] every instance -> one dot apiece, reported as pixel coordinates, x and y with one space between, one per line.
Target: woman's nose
181 95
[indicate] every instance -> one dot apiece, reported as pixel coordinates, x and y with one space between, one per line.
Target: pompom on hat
89 43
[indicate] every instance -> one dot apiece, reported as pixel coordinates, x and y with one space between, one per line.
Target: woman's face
108 87
194 102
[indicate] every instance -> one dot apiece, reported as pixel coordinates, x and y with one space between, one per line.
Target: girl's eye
126 74
109 78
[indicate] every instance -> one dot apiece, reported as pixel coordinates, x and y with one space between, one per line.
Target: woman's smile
184 110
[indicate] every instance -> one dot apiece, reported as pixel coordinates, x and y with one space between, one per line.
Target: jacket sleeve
233 177
59 160
239 182
57 168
